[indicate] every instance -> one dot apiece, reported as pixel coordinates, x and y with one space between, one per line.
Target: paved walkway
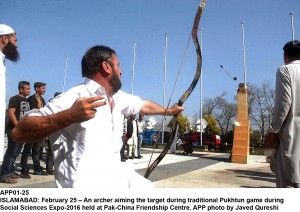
201 170
212 170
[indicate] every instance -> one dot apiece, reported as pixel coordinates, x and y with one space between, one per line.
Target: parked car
212 141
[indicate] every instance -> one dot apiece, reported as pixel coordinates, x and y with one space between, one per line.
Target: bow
188 91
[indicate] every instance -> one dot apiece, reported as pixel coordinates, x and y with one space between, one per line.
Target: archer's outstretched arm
34 128
151 108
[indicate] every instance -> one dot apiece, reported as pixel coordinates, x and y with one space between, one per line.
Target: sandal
9 181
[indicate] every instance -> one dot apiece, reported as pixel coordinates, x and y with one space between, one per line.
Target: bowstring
171 96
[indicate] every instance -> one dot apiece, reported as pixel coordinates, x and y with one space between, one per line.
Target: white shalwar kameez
2 103
87 155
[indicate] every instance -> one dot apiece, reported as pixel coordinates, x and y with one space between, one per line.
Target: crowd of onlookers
18 106
132 137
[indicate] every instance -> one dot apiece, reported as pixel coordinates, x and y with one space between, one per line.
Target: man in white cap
8 50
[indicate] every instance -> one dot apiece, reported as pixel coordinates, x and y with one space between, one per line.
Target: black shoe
130 157
39 172
123 160
139 156
25 175
15 176
50 172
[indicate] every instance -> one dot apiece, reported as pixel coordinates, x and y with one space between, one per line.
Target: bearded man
8 50
85 126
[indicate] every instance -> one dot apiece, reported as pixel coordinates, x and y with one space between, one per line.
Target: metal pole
292 25
65 76
244 52
201 139
133 64
164 93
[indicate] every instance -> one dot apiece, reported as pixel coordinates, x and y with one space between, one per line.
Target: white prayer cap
5 30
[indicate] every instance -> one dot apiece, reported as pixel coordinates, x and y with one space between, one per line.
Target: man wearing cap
8 50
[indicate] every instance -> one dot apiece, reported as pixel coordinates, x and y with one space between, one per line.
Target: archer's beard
115 83
11 53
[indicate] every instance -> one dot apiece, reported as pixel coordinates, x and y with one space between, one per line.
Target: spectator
36 101
187 146
132 135
17 107
141 127
286 122
8 50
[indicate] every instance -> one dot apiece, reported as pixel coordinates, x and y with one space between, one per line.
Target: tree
211 104
183 122
260 102
225 116
255 139
223 113
227 141
212 127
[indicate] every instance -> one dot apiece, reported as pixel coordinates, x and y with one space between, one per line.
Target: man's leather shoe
50 172
15 176
25 175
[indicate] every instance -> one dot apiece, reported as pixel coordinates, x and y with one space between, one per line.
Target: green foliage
183 122
212 126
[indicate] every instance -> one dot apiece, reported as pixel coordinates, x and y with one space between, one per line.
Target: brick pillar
241 139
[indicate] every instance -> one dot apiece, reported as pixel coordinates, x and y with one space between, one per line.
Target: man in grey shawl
286 119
